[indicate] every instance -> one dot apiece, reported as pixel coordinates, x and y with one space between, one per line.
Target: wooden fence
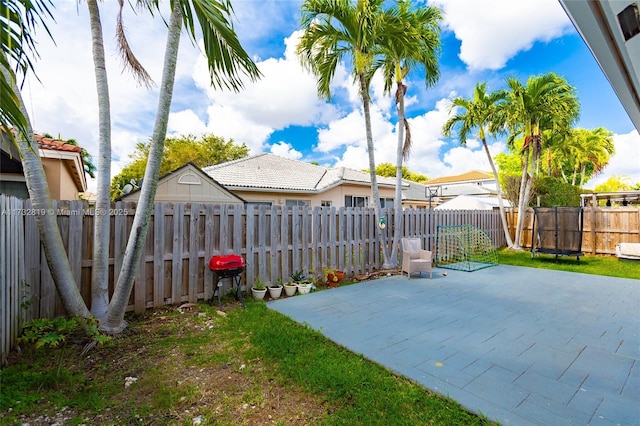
604 227
275 241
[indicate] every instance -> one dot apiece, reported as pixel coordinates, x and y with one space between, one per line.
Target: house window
189 179
386 202
300 203
325 203
259 203
356 201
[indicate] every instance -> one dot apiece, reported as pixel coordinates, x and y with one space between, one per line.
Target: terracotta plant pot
334 278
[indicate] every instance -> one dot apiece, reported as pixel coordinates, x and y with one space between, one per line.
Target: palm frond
130 61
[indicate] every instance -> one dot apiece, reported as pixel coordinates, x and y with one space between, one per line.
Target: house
472 183
273 180
611 30
414 195
63 168
189 184
12 181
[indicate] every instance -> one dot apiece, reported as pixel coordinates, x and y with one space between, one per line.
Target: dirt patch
194 377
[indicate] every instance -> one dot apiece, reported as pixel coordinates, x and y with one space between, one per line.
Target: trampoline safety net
464 248
557 231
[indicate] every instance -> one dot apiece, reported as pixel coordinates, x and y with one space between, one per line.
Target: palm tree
101 228
337 30
547 102
597 148
420 28
479 112
228 63
19 19
46 221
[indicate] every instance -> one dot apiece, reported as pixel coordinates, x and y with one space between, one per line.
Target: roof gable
188 175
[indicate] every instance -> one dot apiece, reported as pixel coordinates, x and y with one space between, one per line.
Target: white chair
414 258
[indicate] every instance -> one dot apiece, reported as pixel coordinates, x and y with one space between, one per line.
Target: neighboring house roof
55 144
269 172
471 176
414 191
468 202
464 189
71 155
189 174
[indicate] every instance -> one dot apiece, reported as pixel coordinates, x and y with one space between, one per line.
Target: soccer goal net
464 248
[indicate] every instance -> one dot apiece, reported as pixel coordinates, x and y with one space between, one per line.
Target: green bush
555 192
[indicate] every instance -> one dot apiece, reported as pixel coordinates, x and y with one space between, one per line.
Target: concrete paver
522 346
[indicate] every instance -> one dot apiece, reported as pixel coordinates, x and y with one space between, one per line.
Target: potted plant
275 290
259 289
290 288
334 276
303 284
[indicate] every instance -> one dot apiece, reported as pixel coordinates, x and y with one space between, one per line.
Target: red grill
230 264
227 266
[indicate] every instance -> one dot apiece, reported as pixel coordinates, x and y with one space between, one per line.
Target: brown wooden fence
604 227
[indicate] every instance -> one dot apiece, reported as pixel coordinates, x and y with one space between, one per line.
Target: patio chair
414 258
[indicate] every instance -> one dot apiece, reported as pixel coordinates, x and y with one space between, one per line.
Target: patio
521 346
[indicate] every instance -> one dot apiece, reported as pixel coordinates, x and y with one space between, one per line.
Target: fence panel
13 290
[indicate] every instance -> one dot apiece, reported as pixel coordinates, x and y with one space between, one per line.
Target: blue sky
483 40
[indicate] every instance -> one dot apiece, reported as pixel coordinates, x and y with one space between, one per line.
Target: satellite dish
127 188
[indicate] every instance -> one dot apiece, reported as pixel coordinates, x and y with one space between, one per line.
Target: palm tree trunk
372 166
115 315
101 221
397 202
521 200
503 215
48 230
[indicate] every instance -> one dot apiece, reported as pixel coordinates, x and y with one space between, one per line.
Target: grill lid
226 262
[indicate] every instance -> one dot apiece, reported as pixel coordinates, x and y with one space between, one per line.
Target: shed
189 184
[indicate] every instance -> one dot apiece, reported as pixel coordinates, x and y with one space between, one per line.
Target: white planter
304 288
290 290
275 292
258 294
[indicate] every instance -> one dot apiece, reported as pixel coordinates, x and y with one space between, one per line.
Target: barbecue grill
226 266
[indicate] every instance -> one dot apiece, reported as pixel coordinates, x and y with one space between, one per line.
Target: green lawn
595 265
247 367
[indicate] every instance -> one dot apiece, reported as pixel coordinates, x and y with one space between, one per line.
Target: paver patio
522 346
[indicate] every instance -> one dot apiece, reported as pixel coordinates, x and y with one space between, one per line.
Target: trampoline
557 231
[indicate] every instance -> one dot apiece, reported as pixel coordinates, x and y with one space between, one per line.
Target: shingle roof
473 175
271 172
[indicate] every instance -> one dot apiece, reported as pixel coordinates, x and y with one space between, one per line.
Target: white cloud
492 31
284 149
